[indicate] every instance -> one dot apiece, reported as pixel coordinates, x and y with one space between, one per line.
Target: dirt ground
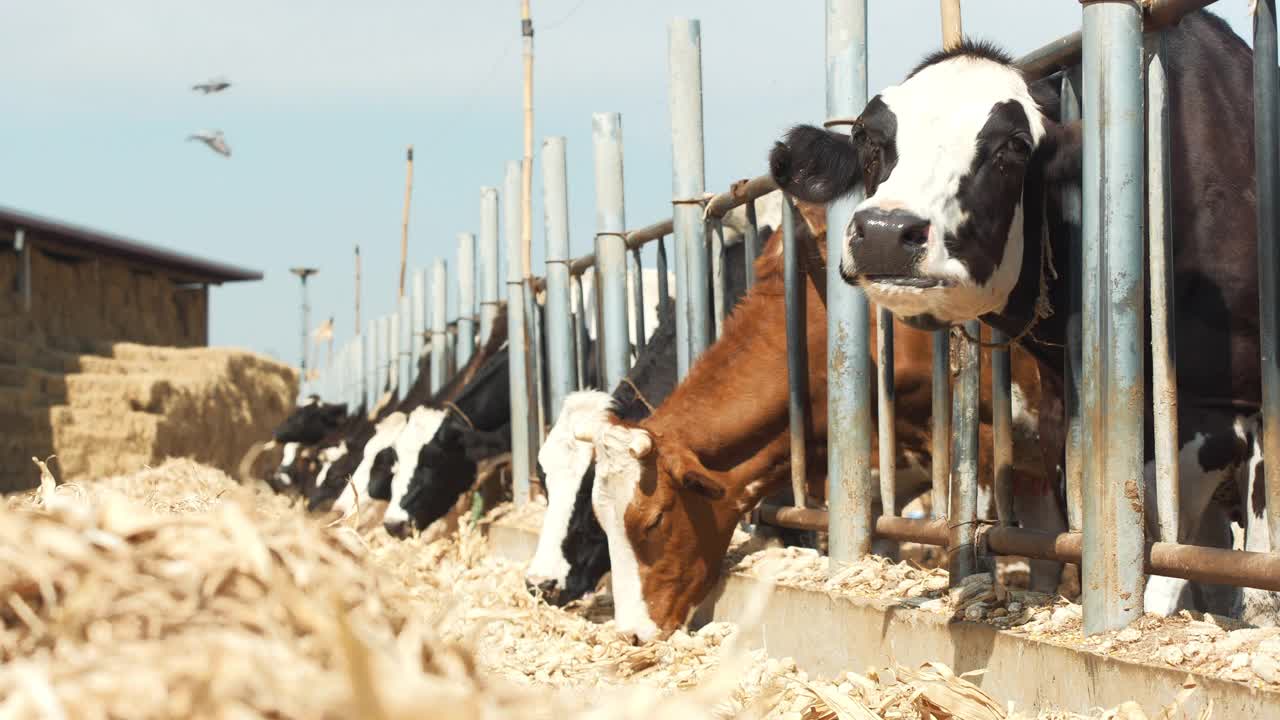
176 592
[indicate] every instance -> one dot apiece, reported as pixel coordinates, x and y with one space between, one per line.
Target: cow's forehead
953 99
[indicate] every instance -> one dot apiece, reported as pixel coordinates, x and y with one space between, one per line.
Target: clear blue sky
327 94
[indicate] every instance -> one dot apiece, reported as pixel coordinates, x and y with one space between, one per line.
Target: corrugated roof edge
118 246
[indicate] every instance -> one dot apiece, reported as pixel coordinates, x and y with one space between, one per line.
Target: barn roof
80 240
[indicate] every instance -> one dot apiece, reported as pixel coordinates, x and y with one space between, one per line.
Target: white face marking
290 454
384 435
564 460
617 476
421 428
328 457
1025 417
940 112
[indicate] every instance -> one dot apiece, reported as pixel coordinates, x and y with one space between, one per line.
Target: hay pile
177 593
146 403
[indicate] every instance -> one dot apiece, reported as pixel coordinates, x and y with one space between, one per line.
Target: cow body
670 490
963 166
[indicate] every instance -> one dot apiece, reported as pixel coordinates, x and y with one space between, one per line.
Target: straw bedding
175 592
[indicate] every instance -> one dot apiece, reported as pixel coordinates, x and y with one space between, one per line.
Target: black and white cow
306 426
963 164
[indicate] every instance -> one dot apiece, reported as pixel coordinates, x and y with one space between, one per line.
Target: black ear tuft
814 165
703 485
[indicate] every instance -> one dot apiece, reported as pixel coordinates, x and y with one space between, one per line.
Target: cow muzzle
548 590
886 246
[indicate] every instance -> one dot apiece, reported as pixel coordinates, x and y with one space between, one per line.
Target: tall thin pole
523 451
688 180
952 31
404 222
466 343
849 401
439 322
303 273
488 260
526 180
1266 125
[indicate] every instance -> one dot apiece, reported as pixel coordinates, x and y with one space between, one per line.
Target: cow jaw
422 426
618 475
383 437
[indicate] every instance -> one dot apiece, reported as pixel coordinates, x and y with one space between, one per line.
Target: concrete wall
103 299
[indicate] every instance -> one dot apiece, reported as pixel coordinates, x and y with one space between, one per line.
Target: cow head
336 465
564 462
950 160
443 473
384 435
667 524
310 422
422 427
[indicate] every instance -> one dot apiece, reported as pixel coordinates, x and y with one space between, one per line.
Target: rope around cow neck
449 405
639 395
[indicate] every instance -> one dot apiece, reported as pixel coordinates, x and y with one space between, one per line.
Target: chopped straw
175 592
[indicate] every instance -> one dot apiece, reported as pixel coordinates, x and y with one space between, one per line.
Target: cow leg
1260 607
1202 520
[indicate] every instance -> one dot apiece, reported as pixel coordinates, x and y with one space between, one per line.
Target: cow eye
1017 147
653 522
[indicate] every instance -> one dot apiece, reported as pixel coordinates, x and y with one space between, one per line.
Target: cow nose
547 589
882 227
397 528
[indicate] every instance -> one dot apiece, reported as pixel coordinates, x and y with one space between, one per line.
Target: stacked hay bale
129 406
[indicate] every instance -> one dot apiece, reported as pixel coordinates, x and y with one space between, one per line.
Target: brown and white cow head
668 525
949 160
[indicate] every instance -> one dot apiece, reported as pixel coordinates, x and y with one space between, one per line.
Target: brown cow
670 489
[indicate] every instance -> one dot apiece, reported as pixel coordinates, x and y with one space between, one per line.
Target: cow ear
641 443
701 484
1061 152
815 165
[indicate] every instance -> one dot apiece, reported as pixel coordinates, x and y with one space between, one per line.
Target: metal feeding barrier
1126 159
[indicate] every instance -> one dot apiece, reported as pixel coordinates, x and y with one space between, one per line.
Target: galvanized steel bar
637 296
1266 125
562 370
848 312
418 322
751 245
580 338
1164 387
466 343
372 391
887 436
439 323
1113 209
538 388
962 516
488 261
383 343
1002 428
1075 376
664 287
687 186
393 349
408 371
941 455
717 276
522 421
611 250
794 292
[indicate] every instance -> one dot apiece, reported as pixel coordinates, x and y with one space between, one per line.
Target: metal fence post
408 372
1075 377
751 245
664 282
419 322
522 458
848 312
1002 427
580 338
439 323
717 277
887 435
393 350
372 390
488 261
688 184
466 297
1266 124
611 247
941 461
962 515
562 370
1164 388
1113 208
538 387
794 295
637 296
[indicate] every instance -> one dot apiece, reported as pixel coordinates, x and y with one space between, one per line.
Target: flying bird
212 86
214 139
